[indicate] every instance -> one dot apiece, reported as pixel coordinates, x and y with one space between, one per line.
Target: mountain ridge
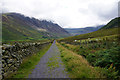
23 27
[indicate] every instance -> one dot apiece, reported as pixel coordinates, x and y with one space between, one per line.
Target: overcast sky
67 13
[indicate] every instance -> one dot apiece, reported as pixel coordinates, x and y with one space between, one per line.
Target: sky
66 13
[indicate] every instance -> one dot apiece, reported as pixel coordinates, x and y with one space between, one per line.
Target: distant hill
112 24
16 26
78 31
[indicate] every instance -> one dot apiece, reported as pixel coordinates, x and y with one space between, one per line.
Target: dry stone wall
13 55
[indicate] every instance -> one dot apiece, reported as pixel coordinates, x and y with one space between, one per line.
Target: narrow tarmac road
50 65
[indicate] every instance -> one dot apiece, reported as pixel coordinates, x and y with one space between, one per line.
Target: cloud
105 10
67 13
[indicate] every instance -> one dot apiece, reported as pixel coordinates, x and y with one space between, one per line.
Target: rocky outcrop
13 55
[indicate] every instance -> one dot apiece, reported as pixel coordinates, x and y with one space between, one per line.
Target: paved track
50 65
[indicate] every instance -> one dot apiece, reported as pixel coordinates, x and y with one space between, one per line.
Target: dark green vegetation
29 63
112 24
78 31
100 48
19 27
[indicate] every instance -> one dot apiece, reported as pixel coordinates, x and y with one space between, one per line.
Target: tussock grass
77 66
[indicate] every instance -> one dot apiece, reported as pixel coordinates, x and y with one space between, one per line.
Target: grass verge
77 66
29 63
53 63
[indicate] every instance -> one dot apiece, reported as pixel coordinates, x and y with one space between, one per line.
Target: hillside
98 33
111 28
112 24
19 27
78 31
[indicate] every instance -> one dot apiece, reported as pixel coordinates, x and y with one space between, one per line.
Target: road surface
50 65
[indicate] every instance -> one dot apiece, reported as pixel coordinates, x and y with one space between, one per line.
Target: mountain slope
112 29
19 27
112 24
78 31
